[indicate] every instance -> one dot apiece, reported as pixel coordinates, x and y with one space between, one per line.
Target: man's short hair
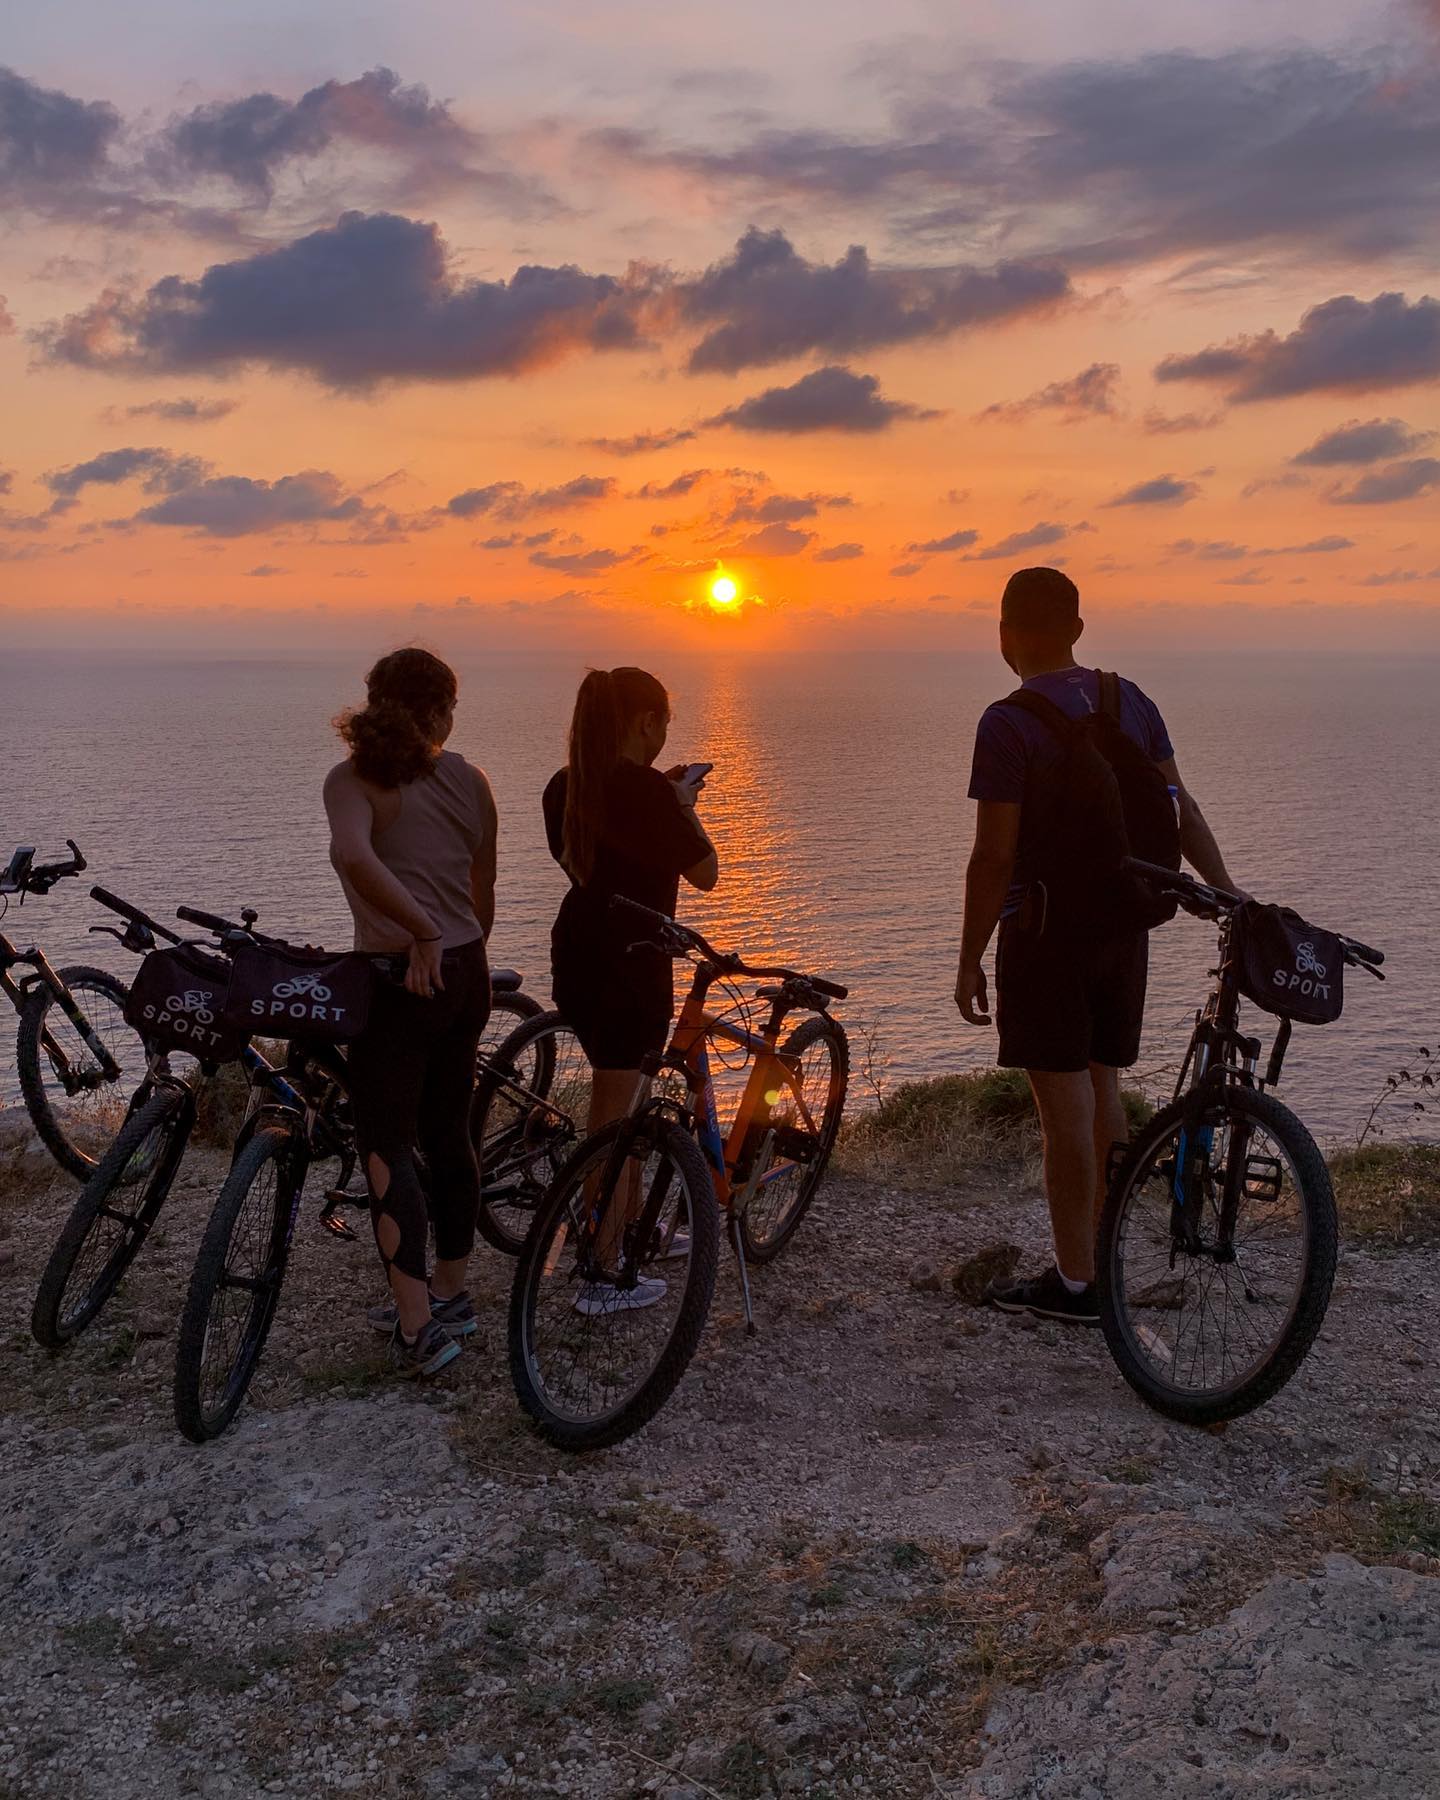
1041 600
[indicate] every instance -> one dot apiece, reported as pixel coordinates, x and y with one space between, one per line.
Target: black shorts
1063 1005
619 1007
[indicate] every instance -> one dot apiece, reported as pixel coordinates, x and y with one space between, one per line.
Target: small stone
971 1279
348 1702
927 1278
757 1654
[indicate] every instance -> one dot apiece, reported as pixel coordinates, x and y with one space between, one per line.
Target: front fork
45 976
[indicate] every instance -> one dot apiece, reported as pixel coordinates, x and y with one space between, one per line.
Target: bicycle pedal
338 1227
338 1197
1264 1178
796 1145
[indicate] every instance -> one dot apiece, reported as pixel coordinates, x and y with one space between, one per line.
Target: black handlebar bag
279 992
1287 966
177 1002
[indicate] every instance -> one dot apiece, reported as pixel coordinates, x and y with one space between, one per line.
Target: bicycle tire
512 1009
74 1158
200 1420
1317 1200
169 1114
624 1420
816 1029
531 1161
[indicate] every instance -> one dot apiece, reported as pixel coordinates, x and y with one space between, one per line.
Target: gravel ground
894 1545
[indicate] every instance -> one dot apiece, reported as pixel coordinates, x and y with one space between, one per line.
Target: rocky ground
894 1545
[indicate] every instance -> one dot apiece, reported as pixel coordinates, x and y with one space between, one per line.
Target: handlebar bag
177 1002
277 991
1286 966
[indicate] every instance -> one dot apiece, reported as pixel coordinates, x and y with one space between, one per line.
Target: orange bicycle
616 1276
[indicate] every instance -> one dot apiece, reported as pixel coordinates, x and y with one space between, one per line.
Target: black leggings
412 1074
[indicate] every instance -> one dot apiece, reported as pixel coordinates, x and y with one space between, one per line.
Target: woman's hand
422 976
688 792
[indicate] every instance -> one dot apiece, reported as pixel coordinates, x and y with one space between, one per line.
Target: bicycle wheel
506 1012
1211 1330
235 1287
788 1185
76 1106
112 1217
531 1108
591 1377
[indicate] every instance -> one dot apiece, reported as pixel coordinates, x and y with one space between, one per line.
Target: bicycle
532 1101
1217 1241
119 1205
645 1193
79 1064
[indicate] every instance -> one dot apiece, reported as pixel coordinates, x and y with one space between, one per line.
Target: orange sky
568 170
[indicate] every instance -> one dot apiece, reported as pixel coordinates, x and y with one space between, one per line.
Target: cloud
1036 537
1161 424
175 412
7 480
372 298
672 490
160 472
584 562
48 140
641 443
1159 490
509 541
1398 577
1342 345
8 326
1081 396
955 540
839 553
1248 578
828 399
765 303
1363 441
1396 481
1222 550
1264 483
906 569
782 509
513 500
774 540
247 141
262 571
228 506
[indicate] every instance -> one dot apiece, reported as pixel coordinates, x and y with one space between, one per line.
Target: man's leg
1111 1127
1069 1130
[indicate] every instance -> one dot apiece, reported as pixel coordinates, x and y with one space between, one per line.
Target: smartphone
695 773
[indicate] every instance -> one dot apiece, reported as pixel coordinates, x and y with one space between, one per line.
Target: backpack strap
1109 694
1040 707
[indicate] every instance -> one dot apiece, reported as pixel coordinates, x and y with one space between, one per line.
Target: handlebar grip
133 913
1363 952
832 988
78 854
207 921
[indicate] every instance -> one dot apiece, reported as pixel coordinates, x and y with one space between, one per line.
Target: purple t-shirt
1010 744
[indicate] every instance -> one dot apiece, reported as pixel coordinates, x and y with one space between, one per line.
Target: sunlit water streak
837 804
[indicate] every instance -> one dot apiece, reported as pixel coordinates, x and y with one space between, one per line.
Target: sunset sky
502 321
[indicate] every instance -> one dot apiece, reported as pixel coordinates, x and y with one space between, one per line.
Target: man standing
1070 1003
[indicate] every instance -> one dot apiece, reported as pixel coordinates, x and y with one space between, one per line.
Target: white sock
1072 1287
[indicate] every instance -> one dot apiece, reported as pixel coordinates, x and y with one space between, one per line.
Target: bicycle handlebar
1207 901
192 915
679 940
133 914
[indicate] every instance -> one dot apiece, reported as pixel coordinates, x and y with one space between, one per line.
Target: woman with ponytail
616 825
412 837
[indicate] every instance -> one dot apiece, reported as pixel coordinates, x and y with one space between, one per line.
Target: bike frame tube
11 957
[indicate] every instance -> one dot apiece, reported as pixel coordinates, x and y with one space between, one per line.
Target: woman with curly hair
412 838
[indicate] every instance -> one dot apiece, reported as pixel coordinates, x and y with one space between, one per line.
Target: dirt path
895 1545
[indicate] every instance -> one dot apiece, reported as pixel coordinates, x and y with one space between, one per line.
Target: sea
837 804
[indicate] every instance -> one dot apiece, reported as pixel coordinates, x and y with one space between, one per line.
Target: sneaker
605 1297
457 1316
432 1350
678 1246
1047 1297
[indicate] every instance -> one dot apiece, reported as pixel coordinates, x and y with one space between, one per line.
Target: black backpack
1105 801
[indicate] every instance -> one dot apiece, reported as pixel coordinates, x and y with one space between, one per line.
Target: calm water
837 805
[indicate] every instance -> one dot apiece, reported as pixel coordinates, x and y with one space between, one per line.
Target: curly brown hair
396 736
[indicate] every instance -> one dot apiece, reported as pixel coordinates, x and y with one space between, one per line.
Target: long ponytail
608 702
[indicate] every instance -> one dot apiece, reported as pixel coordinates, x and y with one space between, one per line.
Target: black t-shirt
647 839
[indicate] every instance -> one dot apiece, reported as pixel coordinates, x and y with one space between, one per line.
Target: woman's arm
352 820
482 869
705 873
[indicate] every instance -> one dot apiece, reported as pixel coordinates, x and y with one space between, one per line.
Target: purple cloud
1159 490
1363 441
828 399
1342 345
839 553
160 472
1036 537
775 540
1087 395
1397 481
955 540
228 506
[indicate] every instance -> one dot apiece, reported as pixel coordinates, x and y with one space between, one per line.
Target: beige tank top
429 846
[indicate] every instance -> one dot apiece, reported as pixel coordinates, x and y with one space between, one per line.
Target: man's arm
1197 840
987 880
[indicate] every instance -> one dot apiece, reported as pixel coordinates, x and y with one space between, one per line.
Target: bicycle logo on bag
1305 961
301 985
193 1000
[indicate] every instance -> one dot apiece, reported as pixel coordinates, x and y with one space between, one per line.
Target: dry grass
1389 1193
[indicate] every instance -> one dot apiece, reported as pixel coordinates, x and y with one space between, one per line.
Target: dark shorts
1064 1005
619 1007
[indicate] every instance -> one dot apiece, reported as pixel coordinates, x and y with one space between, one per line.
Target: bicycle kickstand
738 1246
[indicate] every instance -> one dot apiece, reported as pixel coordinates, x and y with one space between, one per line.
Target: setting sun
724 593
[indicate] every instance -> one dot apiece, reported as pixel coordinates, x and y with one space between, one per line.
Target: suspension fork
70 1006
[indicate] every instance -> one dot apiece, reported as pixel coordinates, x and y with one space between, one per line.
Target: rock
971 1278
927 1278
348 1702
820 1723
757 1654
